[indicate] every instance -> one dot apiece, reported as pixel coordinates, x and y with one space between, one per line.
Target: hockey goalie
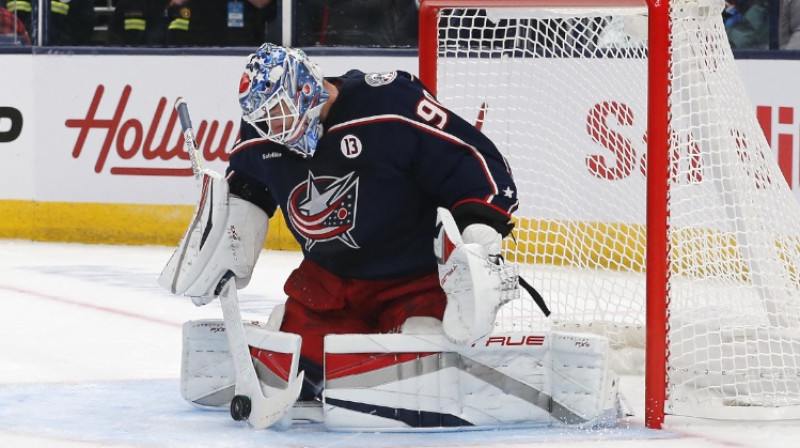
378 331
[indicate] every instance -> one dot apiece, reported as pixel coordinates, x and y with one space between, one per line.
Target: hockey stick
249 402
190 143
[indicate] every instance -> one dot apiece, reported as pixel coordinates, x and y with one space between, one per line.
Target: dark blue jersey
364 206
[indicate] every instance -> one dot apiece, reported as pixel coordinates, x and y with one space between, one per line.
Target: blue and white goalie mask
281 94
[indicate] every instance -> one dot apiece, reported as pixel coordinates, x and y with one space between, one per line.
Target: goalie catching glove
476 280
226 234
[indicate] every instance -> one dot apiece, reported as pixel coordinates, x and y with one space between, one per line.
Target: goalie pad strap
540 302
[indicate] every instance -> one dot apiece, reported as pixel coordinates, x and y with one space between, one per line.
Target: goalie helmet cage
636 190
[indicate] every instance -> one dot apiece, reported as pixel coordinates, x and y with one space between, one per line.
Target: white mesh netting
563 93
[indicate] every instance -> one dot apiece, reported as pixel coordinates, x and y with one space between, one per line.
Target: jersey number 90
431 112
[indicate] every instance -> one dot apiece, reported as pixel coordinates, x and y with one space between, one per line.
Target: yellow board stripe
610 246
132 224
537 241
598 245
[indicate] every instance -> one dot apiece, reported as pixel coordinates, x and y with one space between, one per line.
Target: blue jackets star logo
324 209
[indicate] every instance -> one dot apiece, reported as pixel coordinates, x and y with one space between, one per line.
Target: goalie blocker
226 233
403 382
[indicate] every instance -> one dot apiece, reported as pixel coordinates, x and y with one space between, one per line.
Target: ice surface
90 355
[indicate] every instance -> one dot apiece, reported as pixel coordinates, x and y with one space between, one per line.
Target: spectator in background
789 25
746 23
222 22
374 23
71 21
12 31
138 22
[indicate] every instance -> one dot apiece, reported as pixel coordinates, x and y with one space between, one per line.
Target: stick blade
268 411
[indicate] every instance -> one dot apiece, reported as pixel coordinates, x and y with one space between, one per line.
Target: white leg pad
402 382
208 377
583 386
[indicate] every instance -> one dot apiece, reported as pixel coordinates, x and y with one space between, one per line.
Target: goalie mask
281 95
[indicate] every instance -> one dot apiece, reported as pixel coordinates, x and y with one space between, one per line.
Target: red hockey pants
321 303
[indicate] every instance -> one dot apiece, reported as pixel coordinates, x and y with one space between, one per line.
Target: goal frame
658 88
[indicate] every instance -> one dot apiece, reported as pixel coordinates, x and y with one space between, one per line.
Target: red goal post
708 260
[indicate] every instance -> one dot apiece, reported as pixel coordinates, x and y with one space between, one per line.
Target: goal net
562 88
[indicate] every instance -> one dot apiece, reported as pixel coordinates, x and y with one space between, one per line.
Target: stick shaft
190 143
